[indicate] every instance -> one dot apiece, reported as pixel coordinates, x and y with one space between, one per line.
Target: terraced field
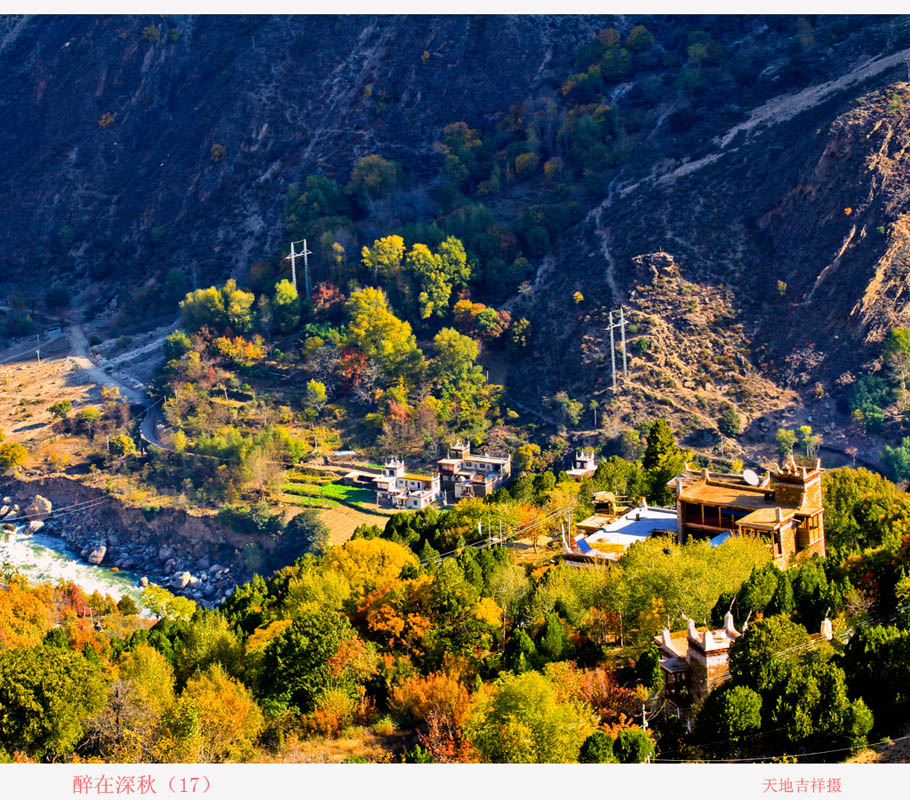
320 491
341 508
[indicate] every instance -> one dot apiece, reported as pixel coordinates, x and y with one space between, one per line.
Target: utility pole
293 259
644 725
306 264
622 333
621 324
612 353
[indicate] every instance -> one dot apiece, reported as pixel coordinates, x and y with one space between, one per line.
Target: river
42 558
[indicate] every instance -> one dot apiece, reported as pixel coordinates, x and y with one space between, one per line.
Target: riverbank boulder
39 509
97 554
183 579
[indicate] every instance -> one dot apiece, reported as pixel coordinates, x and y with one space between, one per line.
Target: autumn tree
374 177
438 275
384 257
315 396
521 720
786 439
440 701
375 330
122 446
218 308
213 720
126 728
12 454
809 441
285 306
368 563
203 640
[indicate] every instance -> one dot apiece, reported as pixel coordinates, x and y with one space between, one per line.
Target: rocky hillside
763 158
132 142
791 240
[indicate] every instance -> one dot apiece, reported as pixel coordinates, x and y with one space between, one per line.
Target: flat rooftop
717 493
638 523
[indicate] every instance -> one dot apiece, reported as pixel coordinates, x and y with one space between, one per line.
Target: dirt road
79 356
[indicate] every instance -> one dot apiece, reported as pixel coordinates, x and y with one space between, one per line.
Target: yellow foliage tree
488 611
369 564
215 719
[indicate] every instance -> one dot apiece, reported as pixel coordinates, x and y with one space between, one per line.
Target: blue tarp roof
721 538
583 544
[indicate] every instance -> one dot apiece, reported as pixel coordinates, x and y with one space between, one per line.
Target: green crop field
309 502
330 492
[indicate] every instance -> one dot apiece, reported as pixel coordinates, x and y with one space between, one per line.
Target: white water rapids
46 559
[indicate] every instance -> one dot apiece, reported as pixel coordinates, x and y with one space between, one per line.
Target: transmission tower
620 323
306 264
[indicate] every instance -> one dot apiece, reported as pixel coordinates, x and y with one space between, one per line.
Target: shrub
633 746
61 408
730 423
597 749
526 164
12 455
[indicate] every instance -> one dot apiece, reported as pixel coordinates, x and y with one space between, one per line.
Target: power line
81 506
483 544
778 755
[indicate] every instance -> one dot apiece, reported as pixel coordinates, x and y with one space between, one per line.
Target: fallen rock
35 525
181 580
143 581
96 556
39 508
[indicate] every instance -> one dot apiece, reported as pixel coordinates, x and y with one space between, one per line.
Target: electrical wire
81 506
483 544
779 755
